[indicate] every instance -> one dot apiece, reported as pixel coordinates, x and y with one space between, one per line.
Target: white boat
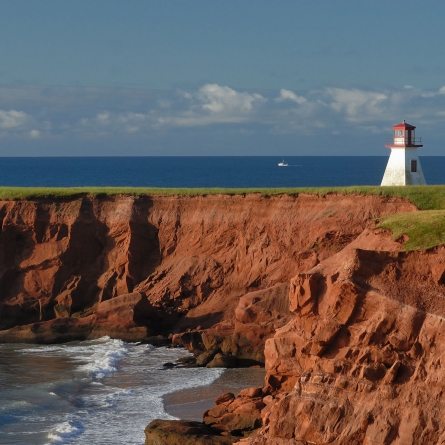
283 164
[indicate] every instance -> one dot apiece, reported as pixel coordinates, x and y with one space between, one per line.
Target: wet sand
190 404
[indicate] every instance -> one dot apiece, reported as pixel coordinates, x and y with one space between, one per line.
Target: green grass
18 193
425 229
424 197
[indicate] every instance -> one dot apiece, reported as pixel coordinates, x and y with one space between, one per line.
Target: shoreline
191 403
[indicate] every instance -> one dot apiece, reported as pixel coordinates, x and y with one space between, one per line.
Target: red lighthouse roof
404 126
404 137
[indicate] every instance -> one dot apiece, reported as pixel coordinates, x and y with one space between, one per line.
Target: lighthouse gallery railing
403 141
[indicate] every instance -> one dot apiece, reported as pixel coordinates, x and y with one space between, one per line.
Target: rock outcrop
129 317
361 361
237 416
182 432
138 266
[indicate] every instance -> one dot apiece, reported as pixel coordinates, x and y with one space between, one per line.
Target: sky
219 77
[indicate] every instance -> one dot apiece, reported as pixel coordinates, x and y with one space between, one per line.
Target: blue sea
211 171
102 392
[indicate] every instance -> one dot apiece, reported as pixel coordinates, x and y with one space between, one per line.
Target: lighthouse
403 166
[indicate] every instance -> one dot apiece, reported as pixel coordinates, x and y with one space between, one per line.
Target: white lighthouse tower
403 166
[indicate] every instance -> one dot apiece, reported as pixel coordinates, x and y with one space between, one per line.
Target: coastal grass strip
424 197
425 229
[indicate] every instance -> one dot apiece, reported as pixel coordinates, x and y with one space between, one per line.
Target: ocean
211 171
101 392
106 391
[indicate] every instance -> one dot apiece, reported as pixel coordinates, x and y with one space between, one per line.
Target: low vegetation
424 197
425 229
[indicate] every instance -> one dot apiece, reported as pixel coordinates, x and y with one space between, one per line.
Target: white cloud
107 122
24 125
290 95
212 104
34 134
106 113
131 118
225 100
132 122
103 118
329 109
357 105
12 119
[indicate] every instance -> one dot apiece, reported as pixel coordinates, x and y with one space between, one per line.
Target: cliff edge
212 269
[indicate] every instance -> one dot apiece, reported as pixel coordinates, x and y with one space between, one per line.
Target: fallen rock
251 392
238 416
180 432
157 340
223 361
187 361
206 357
192 341
168 365
227 397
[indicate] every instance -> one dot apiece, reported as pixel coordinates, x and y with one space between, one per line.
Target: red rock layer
361 361
137 266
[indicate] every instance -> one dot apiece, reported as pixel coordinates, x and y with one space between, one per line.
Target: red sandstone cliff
352 326
133 267
361 362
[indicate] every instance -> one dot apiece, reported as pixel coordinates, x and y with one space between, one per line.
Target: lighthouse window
398 133
413 165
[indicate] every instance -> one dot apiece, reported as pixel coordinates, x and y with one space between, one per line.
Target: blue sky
217 77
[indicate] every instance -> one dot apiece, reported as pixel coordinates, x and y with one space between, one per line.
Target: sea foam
102 357
65 432
74 389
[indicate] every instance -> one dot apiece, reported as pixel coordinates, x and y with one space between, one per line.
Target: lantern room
404 136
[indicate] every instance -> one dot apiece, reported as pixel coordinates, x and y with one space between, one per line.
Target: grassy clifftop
425 229
424 197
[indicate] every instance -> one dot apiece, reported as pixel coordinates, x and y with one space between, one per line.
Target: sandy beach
190 404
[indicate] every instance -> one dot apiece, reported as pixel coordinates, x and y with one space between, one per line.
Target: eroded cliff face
361 362
351 327
134 267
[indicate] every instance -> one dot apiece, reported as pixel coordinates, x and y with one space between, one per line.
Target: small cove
190 403
98 392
